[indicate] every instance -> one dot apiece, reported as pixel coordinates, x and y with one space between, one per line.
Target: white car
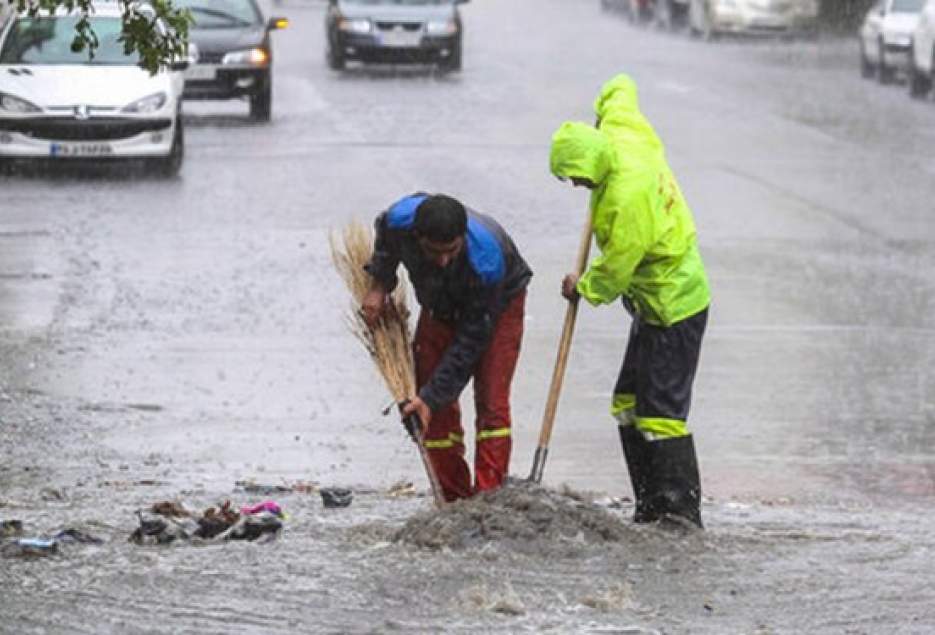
922 53
710 18
885 38
60 105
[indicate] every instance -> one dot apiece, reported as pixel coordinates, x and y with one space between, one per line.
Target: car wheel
261 104
693 29
169 166
453 62
919 84
637 13
708 34
884 72
335 57
866 68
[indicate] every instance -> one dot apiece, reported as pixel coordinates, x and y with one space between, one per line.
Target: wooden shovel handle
564 346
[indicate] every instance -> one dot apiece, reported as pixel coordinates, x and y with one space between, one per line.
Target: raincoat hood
581 151
618 112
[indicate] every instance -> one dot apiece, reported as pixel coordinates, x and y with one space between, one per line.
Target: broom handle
430 471
558 374
413 425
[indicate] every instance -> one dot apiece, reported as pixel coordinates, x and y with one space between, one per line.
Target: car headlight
253 57
15 104
361 25
148 104
447 27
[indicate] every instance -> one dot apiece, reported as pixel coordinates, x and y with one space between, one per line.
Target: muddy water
524 559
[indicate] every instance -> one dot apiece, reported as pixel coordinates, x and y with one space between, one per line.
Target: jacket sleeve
472 336
609 275
385 258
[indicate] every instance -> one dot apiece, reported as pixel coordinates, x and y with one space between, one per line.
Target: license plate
80 149
201 73
401 39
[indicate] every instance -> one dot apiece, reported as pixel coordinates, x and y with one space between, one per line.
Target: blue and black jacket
470 293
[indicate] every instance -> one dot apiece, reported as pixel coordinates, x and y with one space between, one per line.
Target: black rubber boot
636 450
676 486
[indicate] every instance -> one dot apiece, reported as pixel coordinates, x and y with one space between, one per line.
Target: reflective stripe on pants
654 388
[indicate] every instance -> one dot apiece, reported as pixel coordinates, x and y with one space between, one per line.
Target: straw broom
389 342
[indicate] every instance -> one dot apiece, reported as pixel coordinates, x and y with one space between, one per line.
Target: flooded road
163 340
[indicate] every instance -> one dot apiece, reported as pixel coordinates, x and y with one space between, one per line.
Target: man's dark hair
441 219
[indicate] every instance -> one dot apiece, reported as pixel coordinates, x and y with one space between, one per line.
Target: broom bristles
389 342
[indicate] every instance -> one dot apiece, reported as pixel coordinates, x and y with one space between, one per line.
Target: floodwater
165 340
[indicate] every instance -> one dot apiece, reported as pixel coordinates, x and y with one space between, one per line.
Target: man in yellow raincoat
650 260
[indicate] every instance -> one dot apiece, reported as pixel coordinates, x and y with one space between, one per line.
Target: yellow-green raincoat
641 222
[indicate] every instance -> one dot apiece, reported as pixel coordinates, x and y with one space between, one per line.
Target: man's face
441 253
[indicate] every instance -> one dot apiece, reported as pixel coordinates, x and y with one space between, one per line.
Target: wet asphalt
166 339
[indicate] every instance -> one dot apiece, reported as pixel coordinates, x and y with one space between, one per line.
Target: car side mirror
181 65
275 24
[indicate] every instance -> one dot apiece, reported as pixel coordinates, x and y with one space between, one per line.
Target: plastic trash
255 526
336 497
159 530
266 506
73 535
11 528
30 547
216 521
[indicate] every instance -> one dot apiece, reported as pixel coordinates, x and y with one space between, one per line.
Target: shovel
558 374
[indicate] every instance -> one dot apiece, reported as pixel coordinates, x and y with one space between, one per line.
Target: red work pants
492 378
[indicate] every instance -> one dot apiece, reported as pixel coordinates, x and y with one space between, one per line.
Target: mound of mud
520 513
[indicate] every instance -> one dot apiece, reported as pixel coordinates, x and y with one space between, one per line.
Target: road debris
333 497
298 487
11 528
168 521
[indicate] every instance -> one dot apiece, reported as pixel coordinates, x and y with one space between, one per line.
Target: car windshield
907 6
47 40
407 3
221 14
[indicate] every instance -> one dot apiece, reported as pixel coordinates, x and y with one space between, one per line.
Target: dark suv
232 53
394 31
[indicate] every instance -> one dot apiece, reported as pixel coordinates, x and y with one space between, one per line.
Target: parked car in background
615 5
885 38
670 15
665 14
922 53
232 53
711 18
639 11
60 105
395 31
